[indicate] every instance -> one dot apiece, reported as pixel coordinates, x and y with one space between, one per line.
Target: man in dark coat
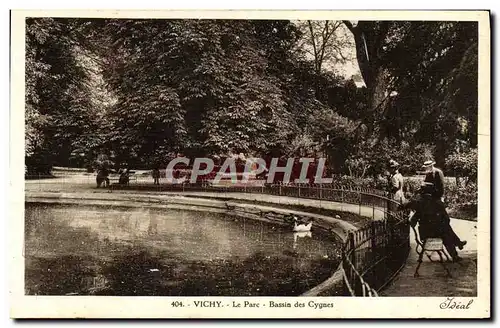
156 174
433 220
436 177
103 171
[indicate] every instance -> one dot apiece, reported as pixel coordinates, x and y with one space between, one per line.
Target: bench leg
448 257
429 256
420 256
441 260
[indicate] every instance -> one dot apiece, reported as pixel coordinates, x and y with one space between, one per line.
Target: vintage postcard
250 164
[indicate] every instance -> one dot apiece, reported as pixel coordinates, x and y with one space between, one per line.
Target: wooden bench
115 178
430 245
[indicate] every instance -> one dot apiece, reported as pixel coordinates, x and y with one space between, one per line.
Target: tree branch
349 25
336 25
313 43
325 36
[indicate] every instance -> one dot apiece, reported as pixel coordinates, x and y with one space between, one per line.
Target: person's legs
453 236
450 246
447 229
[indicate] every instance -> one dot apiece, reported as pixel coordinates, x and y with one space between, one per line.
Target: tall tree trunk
369 37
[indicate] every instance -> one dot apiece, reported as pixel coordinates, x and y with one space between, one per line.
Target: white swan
301 227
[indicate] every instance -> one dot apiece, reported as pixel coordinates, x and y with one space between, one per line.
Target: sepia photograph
263 163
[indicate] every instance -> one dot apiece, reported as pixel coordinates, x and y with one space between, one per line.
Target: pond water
83 250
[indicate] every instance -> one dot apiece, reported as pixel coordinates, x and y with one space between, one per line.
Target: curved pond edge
219 204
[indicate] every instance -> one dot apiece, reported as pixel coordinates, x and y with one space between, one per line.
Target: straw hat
428 163
393 163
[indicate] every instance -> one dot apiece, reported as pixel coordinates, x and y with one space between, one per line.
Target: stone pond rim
206 202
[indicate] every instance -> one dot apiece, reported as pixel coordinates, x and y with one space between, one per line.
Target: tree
197 86
149 89
463 165
58 106
370 38
437 101
431 70
322 41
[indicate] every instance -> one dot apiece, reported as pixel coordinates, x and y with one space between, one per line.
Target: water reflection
297 235
112 251
153 226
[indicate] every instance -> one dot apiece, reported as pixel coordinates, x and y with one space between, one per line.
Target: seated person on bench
124 175
102 176
433 220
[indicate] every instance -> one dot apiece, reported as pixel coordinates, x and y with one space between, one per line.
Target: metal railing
372 255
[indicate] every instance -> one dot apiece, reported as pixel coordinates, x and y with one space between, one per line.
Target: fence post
359 202
373 238
299 189
320 191
351 246
353 278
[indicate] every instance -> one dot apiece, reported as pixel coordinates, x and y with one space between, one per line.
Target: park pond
97 250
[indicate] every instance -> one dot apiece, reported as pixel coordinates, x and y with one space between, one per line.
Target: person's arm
414 218
412 205
439 181
394 184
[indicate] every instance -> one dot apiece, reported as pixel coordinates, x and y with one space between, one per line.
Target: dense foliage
61 112
146 90
422 81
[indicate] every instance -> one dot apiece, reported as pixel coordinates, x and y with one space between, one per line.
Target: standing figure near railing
396 182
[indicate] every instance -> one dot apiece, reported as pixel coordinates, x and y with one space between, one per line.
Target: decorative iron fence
372 255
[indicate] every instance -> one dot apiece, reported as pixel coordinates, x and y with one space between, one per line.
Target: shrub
369 183
35 165
458 197
463 164
372 158
461 197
